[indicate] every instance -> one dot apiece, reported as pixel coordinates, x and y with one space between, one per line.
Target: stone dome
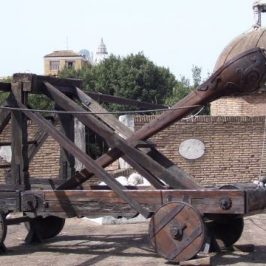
251 39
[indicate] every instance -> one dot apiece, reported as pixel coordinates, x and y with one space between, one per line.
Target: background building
58 60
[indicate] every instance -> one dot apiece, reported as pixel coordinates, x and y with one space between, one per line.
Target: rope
96 113
192 116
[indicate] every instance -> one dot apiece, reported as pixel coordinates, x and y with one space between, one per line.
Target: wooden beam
5 86
167 163
109 119
90 164
106 202
67 160
35 83
39 138
19 147
144 172
117 142
8 143
124 101
5 115
126 133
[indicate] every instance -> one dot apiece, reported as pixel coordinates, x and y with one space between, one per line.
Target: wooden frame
133 147
172 189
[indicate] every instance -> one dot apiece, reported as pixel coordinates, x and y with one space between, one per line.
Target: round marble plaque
192 149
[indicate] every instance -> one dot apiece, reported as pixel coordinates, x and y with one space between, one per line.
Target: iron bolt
225 203
177 231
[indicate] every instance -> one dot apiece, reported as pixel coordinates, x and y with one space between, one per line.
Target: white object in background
135 179
6 153
127 120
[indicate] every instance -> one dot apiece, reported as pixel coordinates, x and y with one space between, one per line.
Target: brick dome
252 105
251 39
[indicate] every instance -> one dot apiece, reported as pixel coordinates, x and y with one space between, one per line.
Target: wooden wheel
44 228
225 231
3 231
177 231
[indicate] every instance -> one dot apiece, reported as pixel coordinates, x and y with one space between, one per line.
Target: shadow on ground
258 256
100 246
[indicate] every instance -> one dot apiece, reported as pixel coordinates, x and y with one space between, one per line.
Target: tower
101 53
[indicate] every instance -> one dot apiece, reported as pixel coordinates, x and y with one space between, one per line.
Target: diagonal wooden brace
111 156
90 164
117 142
5 115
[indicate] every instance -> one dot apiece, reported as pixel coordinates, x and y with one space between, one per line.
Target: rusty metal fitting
225 203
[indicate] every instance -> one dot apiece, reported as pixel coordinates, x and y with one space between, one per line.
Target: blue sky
172 33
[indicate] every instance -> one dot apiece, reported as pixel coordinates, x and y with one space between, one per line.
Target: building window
54 65
70 64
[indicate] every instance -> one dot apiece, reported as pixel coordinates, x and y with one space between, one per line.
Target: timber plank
109 119
124 101
39 138
19 146
35 83
67 160
5 86
205 201
5 115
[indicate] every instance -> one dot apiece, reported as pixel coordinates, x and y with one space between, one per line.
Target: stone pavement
85 243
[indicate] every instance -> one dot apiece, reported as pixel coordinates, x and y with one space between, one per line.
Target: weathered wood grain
107 202
19 147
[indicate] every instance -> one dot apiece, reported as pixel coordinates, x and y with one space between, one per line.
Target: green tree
4 95
181 90
184 87
134 77
196 76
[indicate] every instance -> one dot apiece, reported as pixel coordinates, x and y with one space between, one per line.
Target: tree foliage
184 87
134 77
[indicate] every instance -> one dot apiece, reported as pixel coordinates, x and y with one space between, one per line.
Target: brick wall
233 147
253 105
46 161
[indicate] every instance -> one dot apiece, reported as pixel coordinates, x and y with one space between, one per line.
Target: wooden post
67 160
19 146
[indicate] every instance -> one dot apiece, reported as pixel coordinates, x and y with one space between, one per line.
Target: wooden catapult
185 217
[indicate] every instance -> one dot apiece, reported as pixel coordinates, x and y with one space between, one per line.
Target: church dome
251 39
